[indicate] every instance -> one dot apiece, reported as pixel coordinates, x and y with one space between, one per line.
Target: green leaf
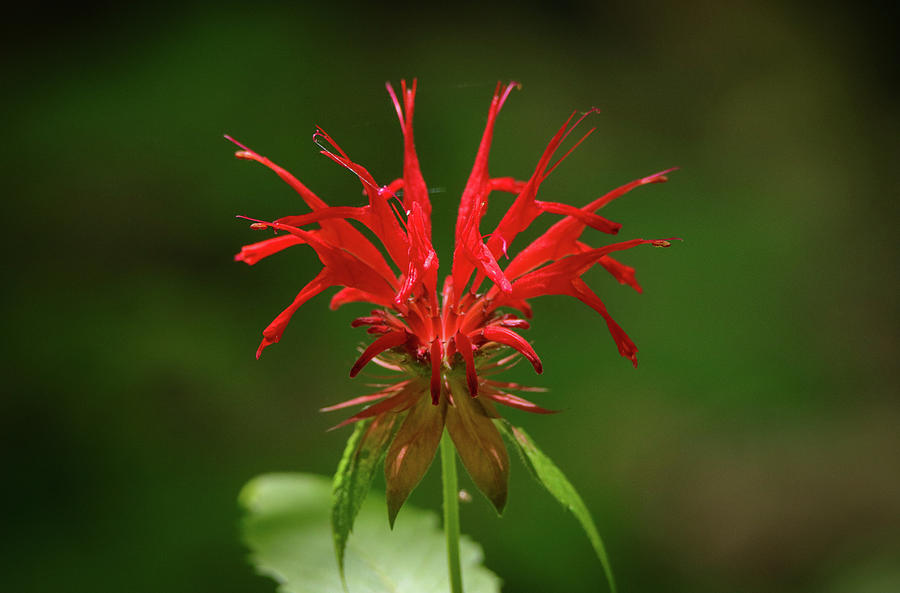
552 478
287 530
353 478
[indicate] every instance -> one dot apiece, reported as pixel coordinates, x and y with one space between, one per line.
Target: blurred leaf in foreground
287 528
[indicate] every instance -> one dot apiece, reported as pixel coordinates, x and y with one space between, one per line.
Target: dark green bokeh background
756 447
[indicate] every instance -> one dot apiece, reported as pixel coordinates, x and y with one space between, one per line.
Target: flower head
446 340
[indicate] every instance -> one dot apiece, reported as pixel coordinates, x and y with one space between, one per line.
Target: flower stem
451 511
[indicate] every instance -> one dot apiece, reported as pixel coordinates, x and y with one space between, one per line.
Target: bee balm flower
445 340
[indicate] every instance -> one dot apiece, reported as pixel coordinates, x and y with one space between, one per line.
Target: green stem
451 511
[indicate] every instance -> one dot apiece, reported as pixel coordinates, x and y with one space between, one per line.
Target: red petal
338 232
423 260
584 294
250 254
507 184
555 278
311 199
560 239
589 218
385 342
379 216
465 349
473 204
354 295
436 360
344 268
480 255
479 184
507 337
624 274
414 188
624 189
524 210
273 332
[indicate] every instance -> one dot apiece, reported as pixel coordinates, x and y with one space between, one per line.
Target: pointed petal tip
392 514
659 177
233 141
500 504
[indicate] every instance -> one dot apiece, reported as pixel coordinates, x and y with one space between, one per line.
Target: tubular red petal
423 260
576 145
354 295
524 210
344 268
626 347
473 202
561 238
397 108
514 323
479 183
369 320
464 346
555 278
507 184
273 332
415 190
624 274
507 337
622 190
589 218
250 254
311 199
379 217
485 261
327 213
436 358
385 342
338 231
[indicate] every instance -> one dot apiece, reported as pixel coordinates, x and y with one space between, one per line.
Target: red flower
446 345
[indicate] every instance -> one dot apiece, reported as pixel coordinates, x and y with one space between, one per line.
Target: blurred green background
756 447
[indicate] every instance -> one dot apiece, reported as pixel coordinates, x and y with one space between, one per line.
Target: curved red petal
250 254
385 342
507 337
624 274
589 218
561 238
626 346
273 332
